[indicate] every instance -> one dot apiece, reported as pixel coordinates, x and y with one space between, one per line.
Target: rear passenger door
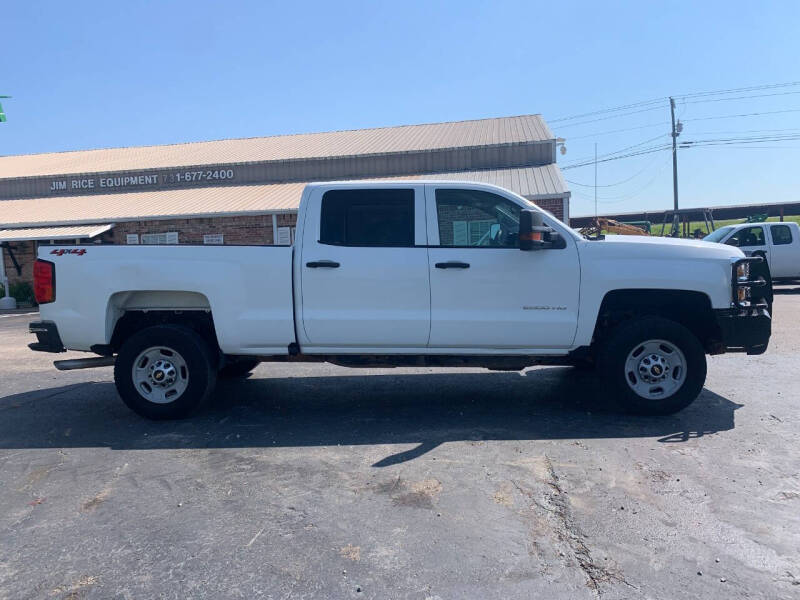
785 251
364 270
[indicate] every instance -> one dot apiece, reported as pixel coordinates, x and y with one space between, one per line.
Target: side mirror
534 235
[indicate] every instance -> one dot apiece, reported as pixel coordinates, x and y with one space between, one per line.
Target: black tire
238 368
625 340
199 372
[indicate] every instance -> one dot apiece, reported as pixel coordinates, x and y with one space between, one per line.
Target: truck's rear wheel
654 366
164 372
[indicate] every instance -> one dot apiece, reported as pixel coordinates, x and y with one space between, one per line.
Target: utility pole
595 188
675 133
6 301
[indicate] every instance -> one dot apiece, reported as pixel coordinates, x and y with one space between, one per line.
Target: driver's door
751 241
486 294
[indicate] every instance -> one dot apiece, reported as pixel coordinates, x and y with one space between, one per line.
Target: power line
742 89
627 114
629 155
606 110
749 147
682 97
621 198
580 137
627 110
756 114
745 131
608 185
741 97
606 155
741 140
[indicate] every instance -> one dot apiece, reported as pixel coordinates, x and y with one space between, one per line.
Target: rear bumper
47 337
745 330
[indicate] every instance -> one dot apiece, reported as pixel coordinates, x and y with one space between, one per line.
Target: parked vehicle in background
405 273
778 243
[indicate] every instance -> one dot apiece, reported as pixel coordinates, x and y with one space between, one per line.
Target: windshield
717 235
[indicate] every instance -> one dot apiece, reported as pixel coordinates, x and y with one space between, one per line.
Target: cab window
781 235
747 236
475 218
368 217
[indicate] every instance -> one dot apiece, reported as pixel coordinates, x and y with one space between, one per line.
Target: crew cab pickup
405 274
777 243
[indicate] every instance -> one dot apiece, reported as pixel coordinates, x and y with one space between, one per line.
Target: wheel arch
131 311
690 308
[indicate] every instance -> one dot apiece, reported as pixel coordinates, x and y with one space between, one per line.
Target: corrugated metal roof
234 200
53 233
531 182
406 138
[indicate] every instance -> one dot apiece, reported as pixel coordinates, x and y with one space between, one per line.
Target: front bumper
745 330
47 337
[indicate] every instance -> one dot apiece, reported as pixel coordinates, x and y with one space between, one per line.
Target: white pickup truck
405 274
777 243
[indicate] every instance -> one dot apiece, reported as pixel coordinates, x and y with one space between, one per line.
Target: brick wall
253 230
25 253
553 205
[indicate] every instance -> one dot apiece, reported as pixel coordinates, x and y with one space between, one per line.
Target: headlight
743 271
743 294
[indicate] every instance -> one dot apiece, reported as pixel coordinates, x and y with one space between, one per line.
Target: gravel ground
314 481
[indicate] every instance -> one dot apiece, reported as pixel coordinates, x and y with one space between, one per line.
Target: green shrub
22 291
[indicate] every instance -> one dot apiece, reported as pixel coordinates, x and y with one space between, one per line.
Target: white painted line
18 315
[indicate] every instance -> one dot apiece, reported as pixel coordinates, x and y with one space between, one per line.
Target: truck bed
247 288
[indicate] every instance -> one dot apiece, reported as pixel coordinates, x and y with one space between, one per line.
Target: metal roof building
248 190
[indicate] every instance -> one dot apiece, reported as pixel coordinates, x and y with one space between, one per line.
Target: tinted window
781 234
368 217
749 236
476 218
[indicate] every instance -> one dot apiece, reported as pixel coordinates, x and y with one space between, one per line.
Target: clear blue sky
104 74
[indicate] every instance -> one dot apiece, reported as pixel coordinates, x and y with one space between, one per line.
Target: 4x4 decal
63 251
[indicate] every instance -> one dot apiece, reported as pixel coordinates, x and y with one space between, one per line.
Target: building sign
127 182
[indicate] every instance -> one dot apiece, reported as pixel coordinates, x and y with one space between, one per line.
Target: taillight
44 281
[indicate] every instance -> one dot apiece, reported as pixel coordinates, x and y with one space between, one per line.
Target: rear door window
368 217
781 234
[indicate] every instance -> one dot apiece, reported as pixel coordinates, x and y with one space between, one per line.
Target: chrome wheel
160 375
655 369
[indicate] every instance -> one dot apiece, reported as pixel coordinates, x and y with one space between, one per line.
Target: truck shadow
426 409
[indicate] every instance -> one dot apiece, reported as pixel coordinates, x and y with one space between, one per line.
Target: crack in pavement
567 531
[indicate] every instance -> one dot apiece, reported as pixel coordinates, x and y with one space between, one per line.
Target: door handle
452 264
328 264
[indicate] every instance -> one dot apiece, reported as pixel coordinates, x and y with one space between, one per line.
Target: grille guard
753 284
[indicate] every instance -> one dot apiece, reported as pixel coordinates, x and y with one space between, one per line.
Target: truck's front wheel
164 372
654 366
